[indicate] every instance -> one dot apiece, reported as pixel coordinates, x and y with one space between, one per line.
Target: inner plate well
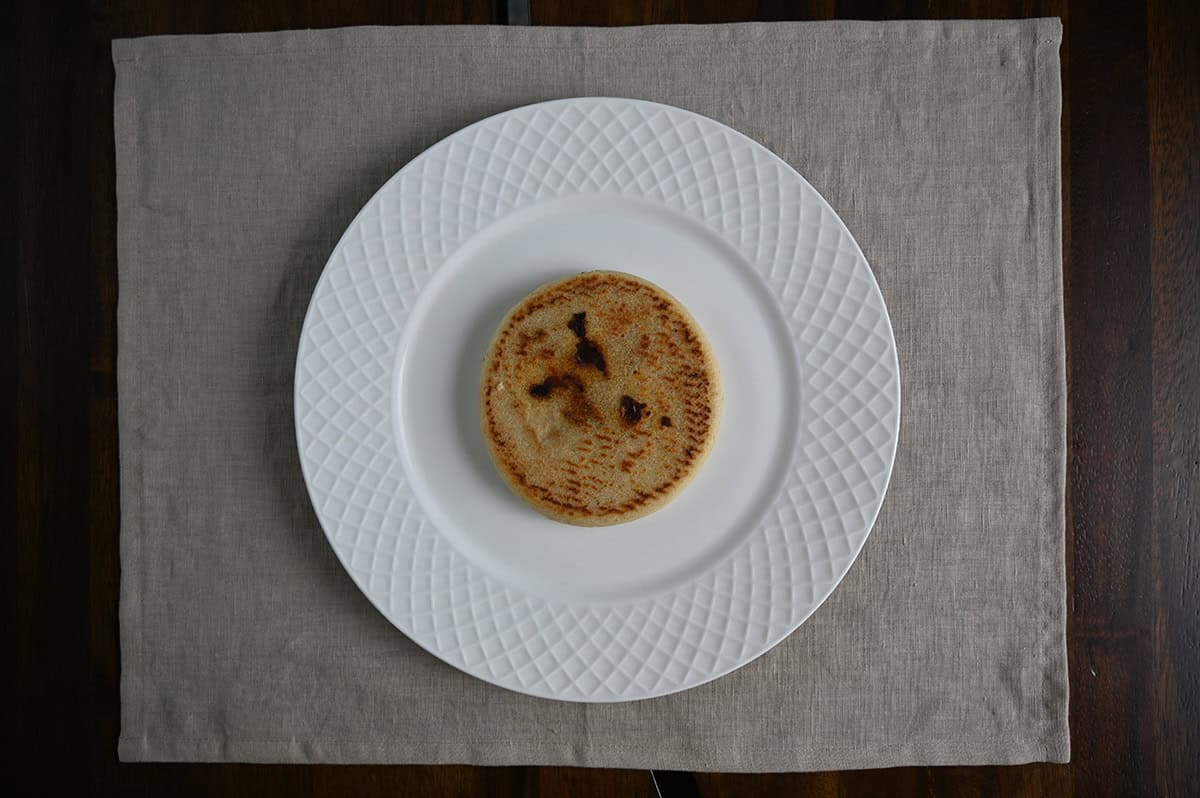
437 399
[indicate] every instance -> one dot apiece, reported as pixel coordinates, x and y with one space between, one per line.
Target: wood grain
1131 137
1173 705
1108 339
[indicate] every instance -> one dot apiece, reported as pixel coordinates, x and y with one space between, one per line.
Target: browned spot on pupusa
587 351
525 339
665 421
632 410
577 409
553 383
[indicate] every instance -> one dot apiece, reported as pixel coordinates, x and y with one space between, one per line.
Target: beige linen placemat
240 161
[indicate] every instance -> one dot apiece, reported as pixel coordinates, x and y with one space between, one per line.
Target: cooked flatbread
600 398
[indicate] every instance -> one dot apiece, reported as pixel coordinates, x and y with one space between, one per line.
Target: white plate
387 416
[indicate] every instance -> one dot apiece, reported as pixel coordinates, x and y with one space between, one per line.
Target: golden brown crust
600 398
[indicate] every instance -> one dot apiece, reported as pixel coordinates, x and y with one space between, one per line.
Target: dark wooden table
1131 184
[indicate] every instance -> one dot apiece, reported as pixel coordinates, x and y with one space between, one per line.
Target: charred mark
587 351
578 324
632 410
555 382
